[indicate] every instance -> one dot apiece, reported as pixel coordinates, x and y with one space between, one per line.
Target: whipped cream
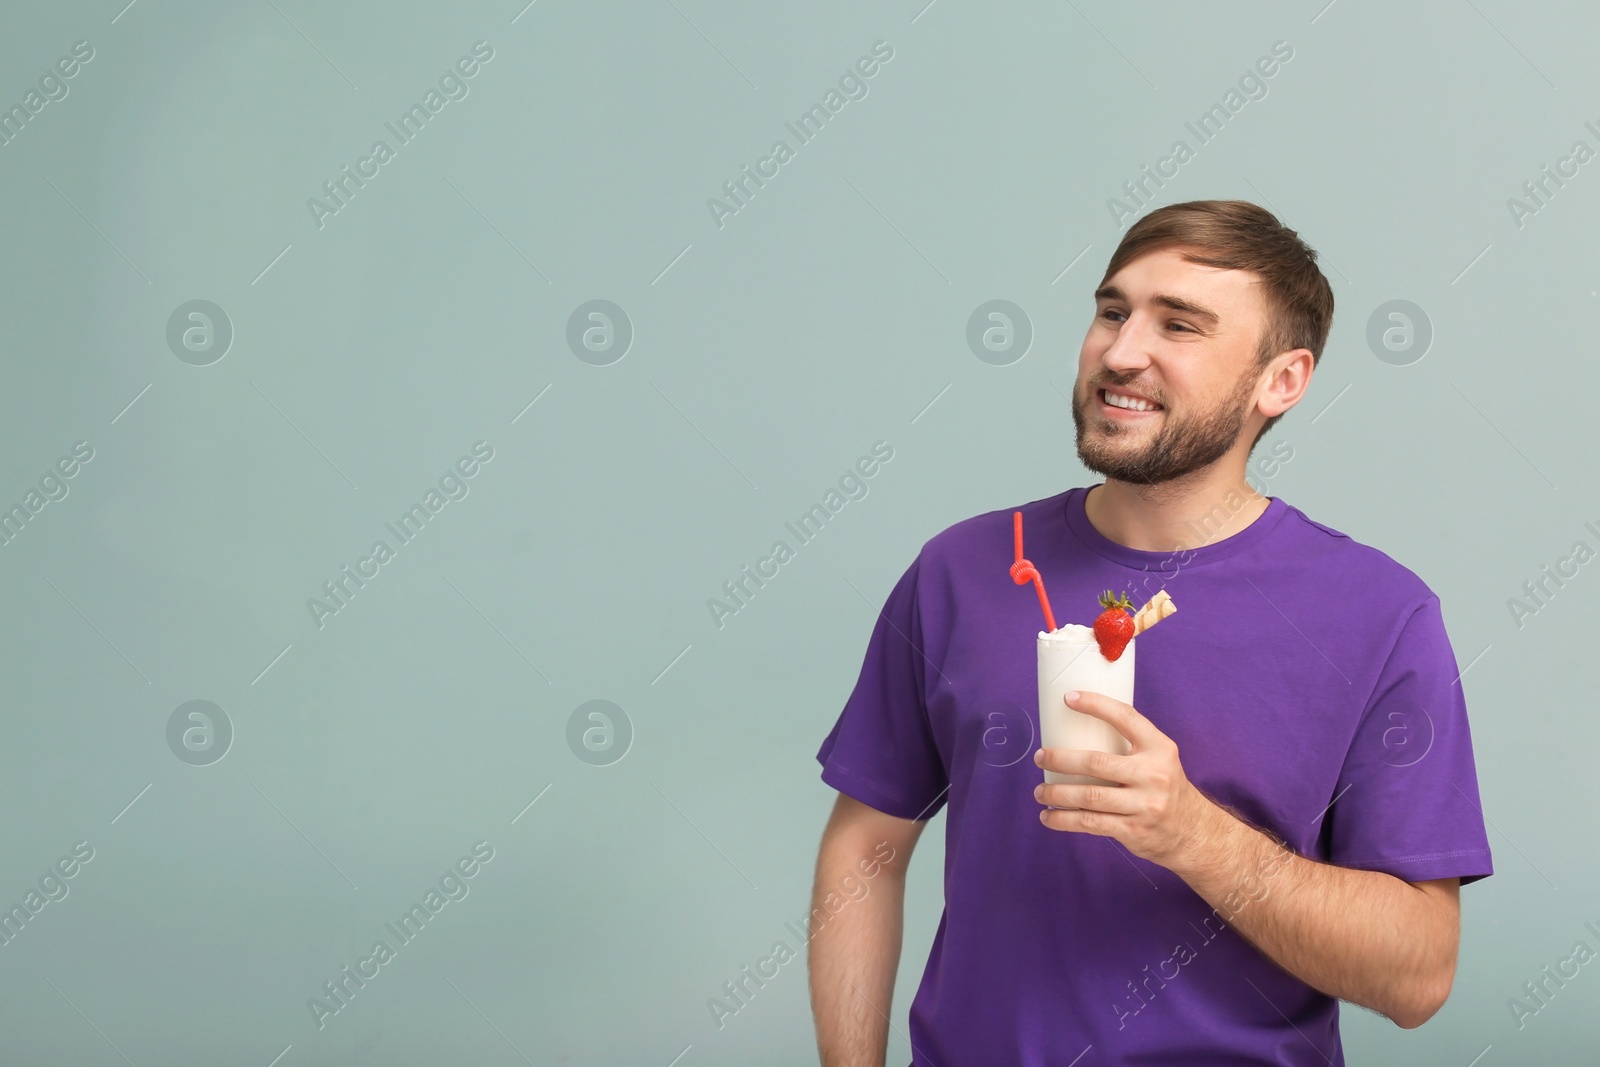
1071 632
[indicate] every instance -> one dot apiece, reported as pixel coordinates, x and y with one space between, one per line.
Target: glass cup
1070 659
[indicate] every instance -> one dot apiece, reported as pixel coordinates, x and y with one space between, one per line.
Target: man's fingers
1088 822
1124 718
1114 799
1096 764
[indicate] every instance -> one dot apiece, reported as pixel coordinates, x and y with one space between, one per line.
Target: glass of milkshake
1093 659
1070 658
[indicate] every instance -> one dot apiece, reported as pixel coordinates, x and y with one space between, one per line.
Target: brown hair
1239 235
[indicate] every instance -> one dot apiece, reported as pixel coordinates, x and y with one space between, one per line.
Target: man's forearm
1362 936
852 962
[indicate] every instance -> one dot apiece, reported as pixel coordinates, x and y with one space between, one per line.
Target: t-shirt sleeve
1407 800
881 750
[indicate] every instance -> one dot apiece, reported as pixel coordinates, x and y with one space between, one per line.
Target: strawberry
1114 627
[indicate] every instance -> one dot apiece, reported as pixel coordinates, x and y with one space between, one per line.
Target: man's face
1153 339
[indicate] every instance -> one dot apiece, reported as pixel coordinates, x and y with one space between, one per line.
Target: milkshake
1092 659
1070 658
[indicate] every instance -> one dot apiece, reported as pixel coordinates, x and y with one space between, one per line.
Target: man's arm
858 906
1362 936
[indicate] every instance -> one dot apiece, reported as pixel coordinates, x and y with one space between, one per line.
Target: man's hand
1362 936
1154 809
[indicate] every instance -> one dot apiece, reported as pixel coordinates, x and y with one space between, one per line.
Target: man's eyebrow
1167 300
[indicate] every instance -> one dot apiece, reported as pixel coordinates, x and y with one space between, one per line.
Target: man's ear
1288 378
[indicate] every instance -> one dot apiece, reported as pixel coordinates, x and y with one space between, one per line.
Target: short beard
1181 449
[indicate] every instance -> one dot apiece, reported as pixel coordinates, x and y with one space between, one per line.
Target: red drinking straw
1023 571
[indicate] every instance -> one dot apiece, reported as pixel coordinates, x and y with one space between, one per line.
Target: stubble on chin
1171 457
1101 443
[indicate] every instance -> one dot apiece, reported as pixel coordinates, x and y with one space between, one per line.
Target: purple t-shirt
1309 685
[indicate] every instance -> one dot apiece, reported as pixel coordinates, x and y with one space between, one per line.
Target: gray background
370 353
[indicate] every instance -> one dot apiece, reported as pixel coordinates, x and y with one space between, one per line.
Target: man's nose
1130 350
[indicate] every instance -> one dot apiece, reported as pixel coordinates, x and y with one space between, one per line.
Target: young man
1300 803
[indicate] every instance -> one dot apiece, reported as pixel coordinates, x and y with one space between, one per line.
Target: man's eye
1113 311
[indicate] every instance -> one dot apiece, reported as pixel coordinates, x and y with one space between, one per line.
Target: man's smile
1125 405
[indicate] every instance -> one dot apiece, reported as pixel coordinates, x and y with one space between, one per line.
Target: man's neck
1204 508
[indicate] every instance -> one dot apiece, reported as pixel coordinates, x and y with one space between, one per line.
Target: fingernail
1072 696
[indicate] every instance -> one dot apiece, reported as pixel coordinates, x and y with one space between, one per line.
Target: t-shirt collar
1198 549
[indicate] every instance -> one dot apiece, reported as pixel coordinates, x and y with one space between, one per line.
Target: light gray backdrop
234 456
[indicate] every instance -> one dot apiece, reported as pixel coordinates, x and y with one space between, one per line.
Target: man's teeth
1128 402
